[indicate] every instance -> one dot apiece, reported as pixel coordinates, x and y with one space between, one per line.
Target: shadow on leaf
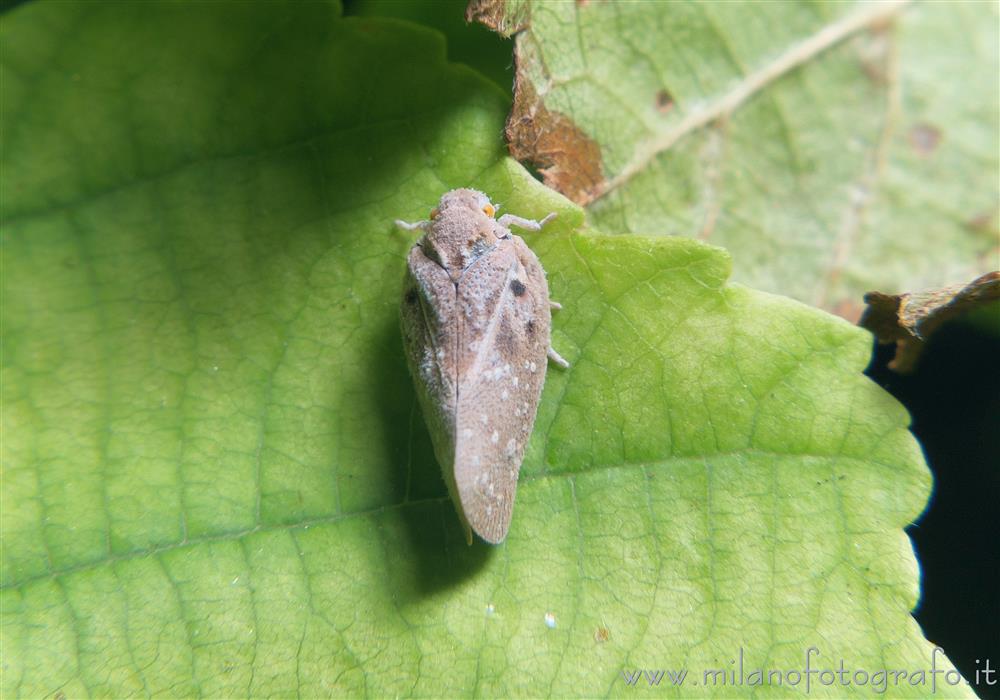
443 559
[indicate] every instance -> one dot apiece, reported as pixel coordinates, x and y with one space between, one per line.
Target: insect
475 318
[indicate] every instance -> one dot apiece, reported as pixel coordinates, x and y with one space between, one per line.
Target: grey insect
476 317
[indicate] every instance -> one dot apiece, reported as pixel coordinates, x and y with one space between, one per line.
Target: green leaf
833 147
215 479
470 44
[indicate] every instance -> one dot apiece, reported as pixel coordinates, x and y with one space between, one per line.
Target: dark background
954 399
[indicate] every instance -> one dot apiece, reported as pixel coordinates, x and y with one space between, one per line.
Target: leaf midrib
237 535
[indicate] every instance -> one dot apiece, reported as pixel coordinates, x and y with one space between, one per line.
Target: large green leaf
834 147
215 478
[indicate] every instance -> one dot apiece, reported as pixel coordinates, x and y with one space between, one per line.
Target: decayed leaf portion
568 159
826 144
505 17
909 319
216 482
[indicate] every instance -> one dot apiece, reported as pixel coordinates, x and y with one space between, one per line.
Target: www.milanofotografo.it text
814 673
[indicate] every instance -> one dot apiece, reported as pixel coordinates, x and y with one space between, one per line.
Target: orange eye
489 210
434 213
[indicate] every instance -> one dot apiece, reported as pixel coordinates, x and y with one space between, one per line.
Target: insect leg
421 225
557 358
529 224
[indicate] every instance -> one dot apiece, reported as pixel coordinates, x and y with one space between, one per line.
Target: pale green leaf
832 147
215 479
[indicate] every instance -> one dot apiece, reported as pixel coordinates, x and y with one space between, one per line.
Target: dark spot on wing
517 287
411 296
529 328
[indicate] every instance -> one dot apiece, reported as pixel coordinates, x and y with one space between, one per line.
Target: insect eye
489 210
434 213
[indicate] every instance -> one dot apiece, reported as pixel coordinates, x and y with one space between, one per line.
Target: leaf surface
833 147
215 478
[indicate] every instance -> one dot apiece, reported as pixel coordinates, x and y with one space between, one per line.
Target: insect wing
430 339
504 323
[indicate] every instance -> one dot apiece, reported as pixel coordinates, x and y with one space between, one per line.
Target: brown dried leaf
909 319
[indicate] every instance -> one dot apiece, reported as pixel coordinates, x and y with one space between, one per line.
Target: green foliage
215 478
833 147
